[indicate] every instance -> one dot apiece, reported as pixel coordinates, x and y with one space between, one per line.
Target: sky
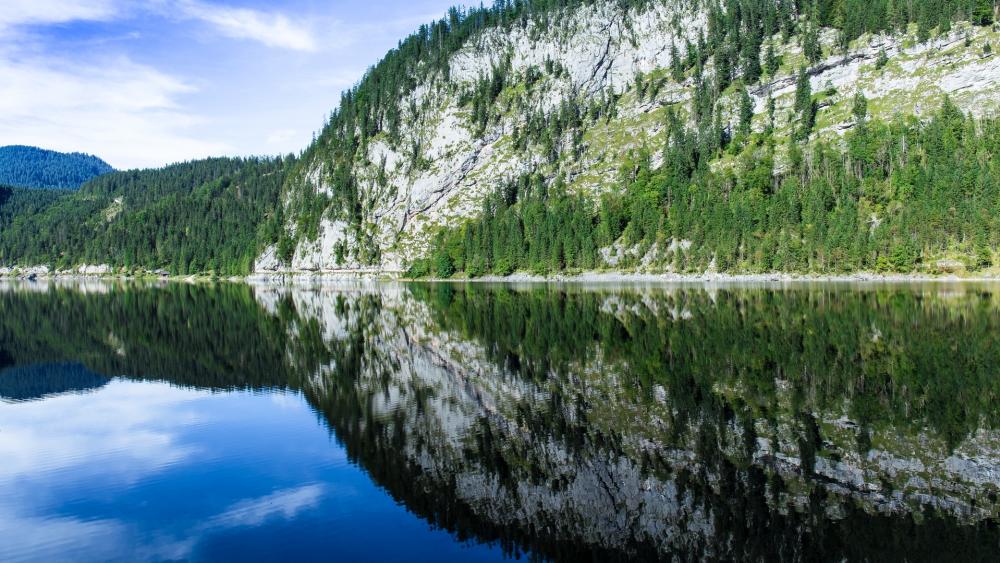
144 83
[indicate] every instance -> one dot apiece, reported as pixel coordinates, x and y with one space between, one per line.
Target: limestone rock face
599 50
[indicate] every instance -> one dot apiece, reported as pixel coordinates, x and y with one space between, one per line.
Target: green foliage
900 194
745 113
881 59
771 60
810 44
804 105
30 167
928 365
18 203
205 216
526 225
859 107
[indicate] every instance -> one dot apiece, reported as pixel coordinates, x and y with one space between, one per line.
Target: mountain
25 203
739 136
543 136
201 216
31 167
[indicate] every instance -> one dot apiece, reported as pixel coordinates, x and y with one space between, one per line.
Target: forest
210 216
30 167
739 31
16 202
898 195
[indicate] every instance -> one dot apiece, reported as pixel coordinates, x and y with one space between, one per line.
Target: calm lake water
463 423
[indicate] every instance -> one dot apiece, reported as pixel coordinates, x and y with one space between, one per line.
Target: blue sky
147 83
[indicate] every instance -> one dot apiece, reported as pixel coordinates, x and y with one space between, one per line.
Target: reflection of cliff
44 380
742 424
569 451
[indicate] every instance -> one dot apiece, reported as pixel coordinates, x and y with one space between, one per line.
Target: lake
476 422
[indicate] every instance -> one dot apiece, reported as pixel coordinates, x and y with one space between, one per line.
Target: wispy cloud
158 81
132 428
271 29
42 12
113 107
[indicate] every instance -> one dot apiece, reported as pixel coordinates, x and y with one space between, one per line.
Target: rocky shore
596 277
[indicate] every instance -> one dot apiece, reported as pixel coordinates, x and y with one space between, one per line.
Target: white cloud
124 436
42 12
271 29
30 538
161 97
125 112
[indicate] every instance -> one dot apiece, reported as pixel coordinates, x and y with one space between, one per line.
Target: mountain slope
24 202
204 216
31 167
580 100
565 135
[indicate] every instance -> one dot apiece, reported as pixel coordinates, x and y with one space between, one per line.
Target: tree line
898 197
31 167
207 216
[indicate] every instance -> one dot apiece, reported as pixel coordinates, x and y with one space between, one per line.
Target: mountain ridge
25 166
371 198
654 136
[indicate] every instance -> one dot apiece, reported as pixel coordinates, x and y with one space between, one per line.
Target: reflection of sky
150 471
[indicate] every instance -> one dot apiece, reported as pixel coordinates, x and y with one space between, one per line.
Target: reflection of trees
206 337
893 357
590 425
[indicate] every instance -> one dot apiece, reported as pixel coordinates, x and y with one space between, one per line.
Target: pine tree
771 62
676 65
745 113
859 108
810 44
803 90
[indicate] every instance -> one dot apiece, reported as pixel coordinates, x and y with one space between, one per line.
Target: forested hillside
881 205
207 216
736 136
16 202
31 167
740 136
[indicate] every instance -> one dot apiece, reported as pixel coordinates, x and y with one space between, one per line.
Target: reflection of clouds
287 504
27 538
71 539
286 400
120 435
127 430
124 432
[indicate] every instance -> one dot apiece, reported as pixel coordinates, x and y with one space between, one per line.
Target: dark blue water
386 422
150 471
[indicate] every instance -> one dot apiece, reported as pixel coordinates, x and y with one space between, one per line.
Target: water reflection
817 422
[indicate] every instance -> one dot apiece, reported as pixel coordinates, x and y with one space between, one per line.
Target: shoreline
340 276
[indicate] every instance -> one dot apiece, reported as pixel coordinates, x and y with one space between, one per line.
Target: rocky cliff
440 165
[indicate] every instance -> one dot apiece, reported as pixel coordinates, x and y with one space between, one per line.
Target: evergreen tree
745 113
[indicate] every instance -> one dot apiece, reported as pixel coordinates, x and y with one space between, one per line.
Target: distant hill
32 167
209 215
